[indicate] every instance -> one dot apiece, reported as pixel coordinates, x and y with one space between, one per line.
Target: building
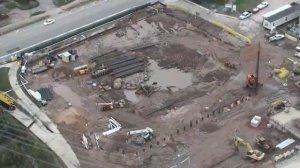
282 15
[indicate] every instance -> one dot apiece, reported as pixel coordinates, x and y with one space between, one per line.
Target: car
298 48
49 21
262 5
297 54
245 15
276 37
255 10
270 34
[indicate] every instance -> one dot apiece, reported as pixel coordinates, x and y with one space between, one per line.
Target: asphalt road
37 32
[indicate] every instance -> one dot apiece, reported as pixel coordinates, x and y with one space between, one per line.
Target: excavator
251 153
7 101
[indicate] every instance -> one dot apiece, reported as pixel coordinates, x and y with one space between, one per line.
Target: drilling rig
252 82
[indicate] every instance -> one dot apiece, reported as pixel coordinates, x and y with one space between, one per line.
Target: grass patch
28 4
4 84
14 136
243 5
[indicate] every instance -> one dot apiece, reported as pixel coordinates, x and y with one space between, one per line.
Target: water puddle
131 96
70 96
173 78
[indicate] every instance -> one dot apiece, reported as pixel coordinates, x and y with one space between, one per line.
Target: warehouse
281 16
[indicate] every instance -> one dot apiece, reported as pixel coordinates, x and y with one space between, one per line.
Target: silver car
276 37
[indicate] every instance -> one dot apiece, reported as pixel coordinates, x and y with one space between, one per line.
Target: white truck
141 136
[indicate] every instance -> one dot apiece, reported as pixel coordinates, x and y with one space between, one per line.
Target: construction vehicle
106 106
251 153
81 70
141 136
252 79
262 143
7 101
282 73
278 105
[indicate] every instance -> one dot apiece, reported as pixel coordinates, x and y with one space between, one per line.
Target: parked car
255 10
297 54
276 37
298 48
49 21
270 34
245 15
262 5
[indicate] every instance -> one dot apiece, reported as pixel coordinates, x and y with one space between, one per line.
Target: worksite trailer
281 16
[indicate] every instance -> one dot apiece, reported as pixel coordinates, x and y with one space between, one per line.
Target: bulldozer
7 101
253 154
262 143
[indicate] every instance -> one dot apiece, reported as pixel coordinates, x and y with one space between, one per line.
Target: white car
262 5
298 48
255 10
49 21
276 37
297 54
245 15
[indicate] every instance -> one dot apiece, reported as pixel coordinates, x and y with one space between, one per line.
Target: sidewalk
55 140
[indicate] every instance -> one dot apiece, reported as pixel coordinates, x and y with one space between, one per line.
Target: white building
281 15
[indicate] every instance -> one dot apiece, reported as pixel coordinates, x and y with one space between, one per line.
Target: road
37 32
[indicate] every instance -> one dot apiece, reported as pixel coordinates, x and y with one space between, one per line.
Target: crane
251 153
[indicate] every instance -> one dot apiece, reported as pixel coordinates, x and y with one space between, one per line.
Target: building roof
293 8
65 54
273 12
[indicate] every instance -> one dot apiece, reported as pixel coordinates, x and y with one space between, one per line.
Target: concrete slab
286 121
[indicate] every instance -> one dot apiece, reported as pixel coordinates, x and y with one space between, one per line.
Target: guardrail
230 30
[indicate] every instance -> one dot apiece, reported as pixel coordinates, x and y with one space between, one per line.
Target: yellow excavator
251 153
7 101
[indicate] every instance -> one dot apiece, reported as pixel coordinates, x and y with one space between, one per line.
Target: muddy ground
188 119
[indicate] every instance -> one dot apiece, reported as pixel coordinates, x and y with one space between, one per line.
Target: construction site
163 88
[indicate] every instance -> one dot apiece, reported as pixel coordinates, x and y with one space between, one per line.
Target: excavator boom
251 153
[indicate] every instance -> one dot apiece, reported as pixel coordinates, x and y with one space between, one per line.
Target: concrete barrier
230 30
294 39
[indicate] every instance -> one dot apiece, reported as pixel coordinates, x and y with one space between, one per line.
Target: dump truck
7 101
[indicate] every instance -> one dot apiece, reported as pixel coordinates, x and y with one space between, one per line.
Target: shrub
23 2
26 4
61 2
10 5
37 13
